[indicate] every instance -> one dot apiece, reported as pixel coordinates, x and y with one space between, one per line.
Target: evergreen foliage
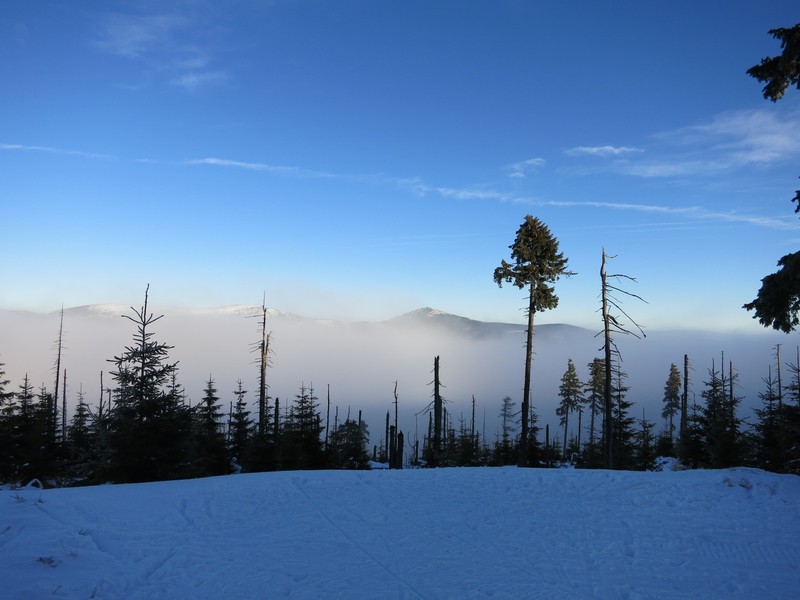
594 395
536 264
209 451
301 443
571 393
778 300
348 445
149 426
672 402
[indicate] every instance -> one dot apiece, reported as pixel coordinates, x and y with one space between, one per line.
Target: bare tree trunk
63 409
262 380
472 426
526 390
684 403
396 430
328 417
608 428
387 443
437 413
58 372
399 452
780 385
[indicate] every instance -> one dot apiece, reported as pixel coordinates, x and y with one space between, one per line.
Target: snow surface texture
439 533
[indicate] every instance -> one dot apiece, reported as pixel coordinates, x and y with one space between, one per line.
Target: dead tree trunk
262 379
524 449
437 413
607 404
59 344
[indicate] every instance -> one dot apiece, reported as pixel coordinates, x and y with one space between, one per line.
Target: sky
360 159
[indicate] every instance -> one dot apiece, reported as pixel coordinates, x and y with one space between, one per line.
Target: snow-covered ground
443 533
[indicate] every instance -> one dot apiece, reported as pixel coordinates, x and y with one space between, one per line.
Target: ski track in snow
431 534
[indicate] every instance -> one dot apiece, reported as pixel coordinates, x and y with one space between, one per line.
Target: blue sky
359 159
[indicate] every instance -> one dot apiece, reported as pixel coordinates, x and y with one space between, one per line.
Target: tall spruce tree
536 264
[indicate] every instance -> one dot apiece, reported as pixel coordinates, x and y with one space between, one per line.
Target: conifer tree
623 422
570 392
241 426
672 401
769 428
645 447
210 456
594 394
348 445
149 425
301 442
536 264
505 450
722 434
6 410
81 441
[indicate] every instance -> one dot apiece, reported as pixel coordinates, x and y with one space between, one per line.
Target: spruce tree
536 264
770 449
672 401
505 449
570 392
302 446
594 394
721 426
348 445
6 410
149 425
623 423
209 453
81 441
241 427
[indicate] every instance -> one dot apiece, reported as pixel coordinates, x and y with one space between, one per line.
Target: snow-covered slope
448 533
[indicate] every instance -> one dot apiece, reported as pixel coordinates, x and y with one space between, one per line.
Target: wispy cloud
195 79
164 46
694 212
745 136
602 150
50 150
730 140
522 168
136 36
264 167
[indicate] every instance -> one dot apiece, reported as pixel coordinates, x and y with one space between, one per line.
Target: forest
145 427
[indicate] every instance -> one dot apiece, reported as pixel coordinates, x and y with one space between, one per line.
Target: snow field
438 533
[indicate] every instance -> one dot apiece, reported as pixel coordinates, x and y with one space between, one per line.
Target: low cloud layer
362 361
